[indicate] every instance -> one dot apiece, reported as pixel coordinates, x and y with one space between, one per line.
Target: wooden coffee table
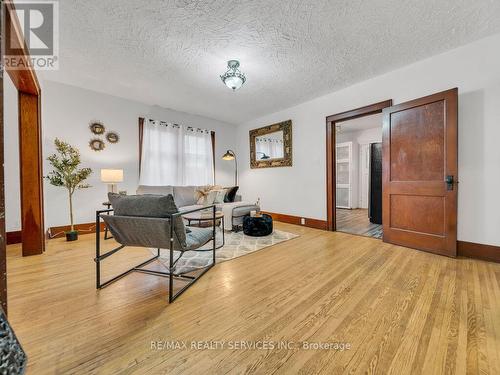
200 217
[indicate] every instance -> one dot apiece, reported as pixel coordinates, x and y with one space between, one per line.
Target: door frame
30 148
330 153
30 136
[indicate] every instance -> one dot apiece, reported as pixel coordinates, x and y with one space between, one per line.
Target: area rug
236 245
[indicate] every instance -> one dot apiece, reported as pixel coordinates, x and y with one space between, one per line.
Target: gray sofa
185 199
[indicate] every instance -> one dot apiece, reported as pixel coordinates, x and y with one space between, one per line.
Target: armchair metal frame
139 268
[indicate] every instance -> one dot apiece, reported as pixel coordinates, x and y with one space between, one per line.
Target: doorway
353 142
358 177
419 171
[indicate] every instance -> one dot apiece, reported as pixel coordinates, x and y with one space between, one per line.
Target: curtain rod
177 125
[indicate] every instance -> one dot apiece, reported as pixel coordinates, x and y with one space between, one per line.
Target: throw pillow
230 194
149 205
208 195
219 196
201 194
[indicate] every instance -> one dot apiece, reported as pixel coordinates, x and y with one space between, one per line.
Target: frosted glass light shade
234 83
111 176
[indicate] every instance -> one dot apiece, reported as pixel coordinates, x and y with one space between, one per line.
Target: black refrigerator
375 202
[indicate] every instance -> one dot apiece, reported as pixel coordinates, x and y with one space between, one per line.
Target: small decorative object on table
258 226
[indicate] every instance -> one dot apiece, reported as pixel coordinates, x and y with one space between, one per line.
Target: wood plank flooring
357 222
401 311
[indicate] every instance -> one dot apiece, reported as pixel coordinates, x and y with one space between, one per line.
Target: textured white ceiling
171 53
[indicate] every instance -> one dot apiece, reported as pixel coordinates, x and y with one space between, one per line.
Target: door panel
402 217
417 143
419 151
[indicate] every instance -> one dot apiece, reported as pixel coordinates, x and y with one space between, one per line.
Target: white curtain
175 155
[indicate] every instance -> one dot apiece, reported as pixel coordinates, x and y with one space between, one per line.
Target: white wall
66 114
365 136
11 154
301 190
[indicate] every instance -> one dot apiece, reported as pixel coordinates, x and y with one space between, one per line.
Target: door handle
449 182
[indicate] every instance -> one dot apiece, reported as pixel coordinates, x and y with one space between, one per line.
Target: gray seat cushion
149 205
198 237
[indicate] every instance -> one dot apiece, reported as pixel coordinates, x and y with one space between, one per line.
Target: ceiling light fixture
233 78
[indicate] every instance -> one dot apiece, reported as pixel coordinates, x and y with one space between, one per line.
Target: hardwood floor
357 222
401 311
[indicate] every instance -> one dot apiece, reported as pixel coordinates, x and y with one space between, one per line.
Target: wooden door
420 173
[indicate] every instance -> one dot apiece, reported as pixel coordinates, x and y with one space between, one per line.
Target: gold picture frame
286 160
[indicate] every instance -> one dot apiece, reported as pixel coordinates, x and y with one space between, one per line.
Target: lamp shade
111 176
229 155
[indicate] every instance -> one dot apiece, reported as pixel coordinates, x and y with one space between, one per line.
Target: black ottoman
258 226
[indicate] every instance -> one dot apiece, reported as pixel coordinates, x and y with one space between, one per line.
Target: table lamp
112 177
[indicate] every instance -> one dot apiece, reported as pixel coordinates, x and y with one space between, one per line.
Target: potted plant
65 163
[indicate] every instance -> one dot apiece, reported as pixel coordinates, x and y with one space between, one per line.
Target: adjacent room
251 187
359 176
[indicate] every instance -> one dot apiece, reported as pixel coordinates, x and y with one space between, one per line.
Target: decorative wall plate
97 128
112 137
97 144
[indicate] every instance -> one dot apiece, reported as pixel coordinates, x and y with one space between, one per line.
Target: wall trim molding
478 251
13 237
290 219
84 228
464 249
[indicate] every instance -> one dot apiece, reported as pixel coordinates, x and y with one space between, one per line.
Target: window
173 154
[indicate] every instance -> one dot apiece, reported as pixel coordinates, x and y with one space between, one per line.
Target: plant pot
71 235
